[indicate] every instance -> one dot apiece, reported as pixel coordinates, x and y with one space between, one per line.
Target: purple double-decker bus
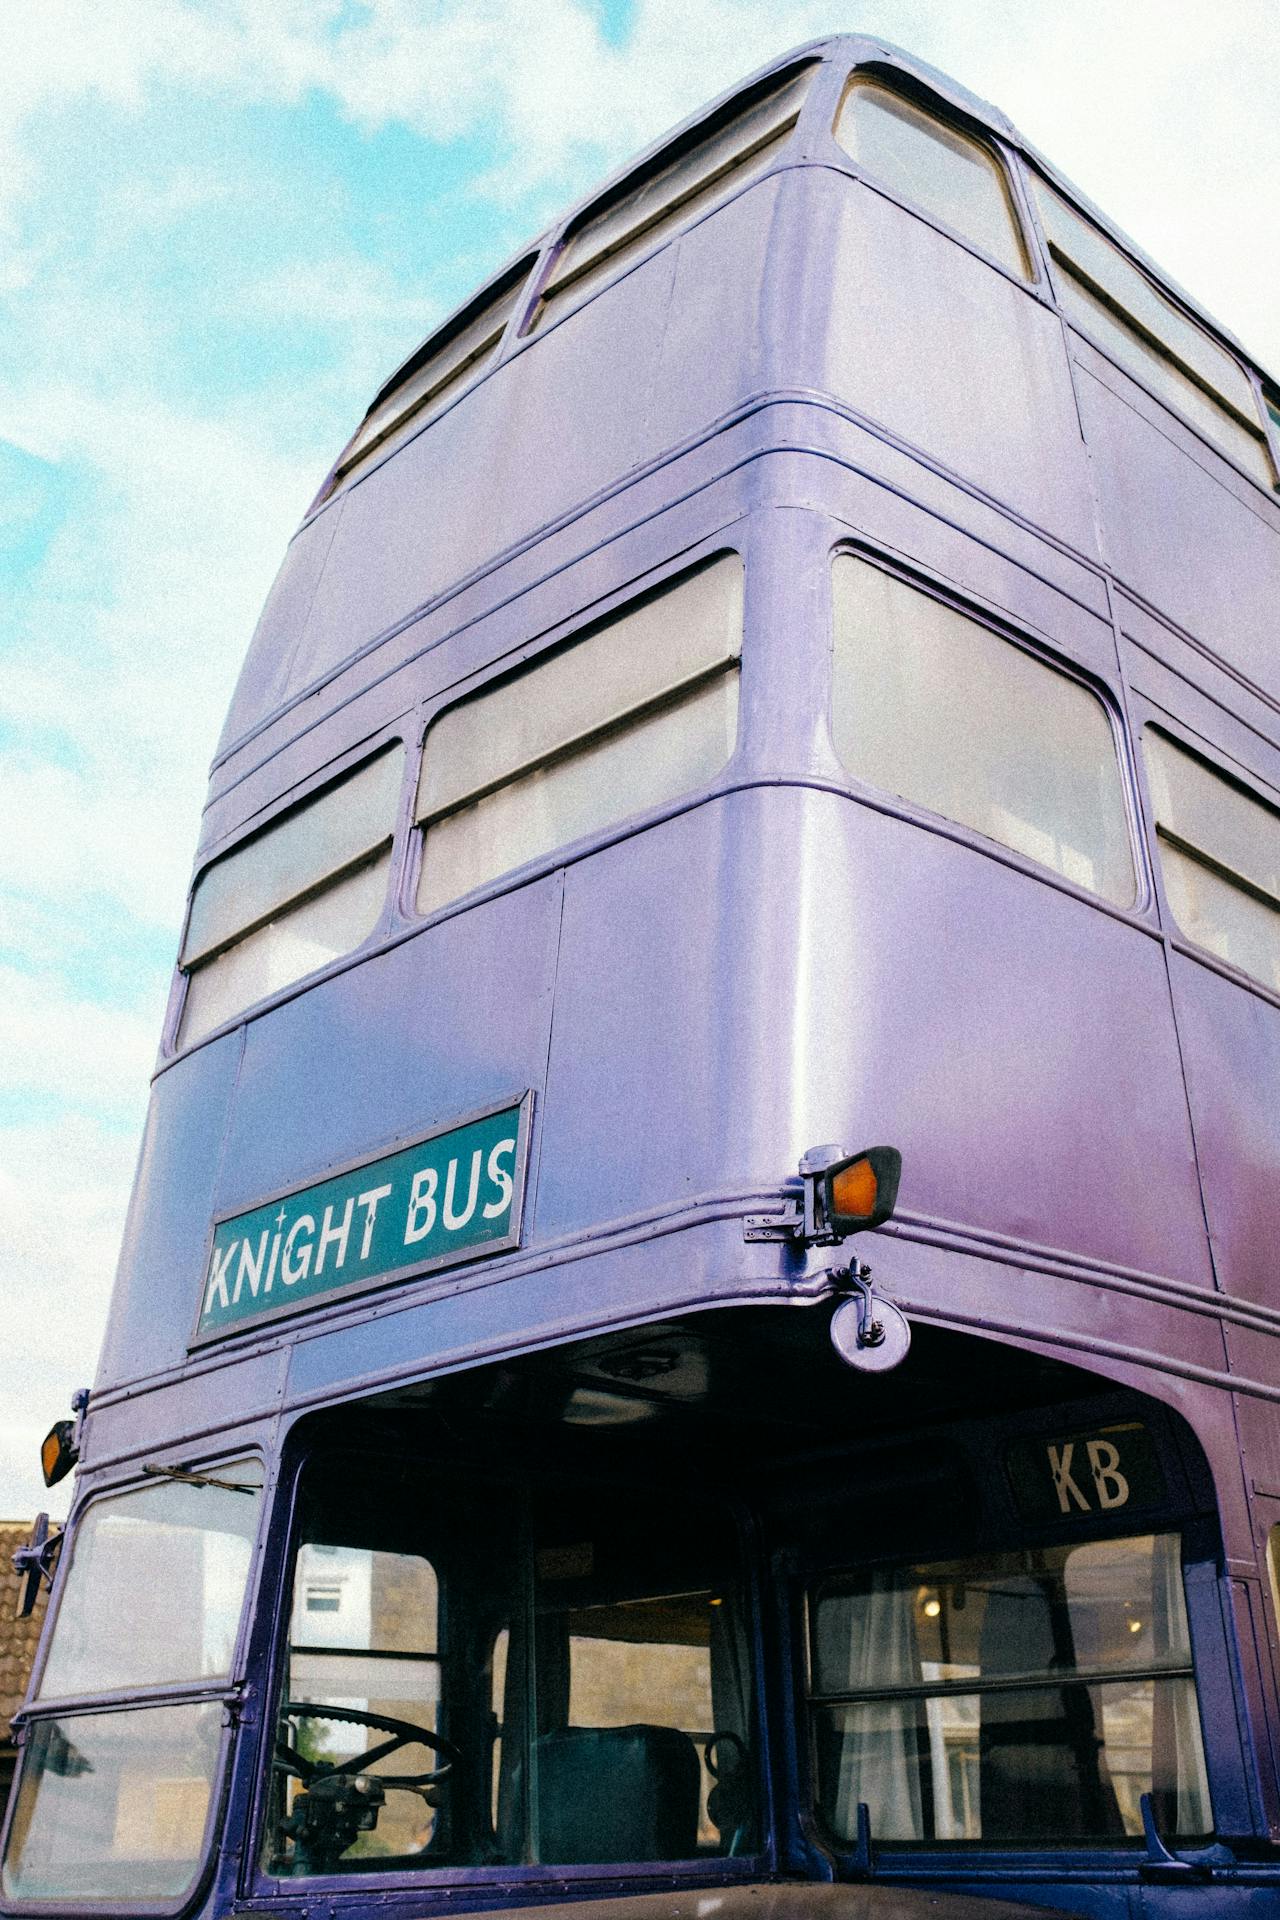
780 691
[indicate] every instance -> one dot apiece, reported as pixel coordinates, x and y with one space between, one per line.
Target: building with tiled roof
17 1644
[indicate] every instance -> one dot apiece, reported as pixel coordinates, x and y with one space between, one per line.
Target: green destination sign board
446 1197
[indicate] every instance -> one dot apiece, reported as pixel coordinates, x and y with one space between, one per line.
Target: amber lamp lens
854 1191
50 1448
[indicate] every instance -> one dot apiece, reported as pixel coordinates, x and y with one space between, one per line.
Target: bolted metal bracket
34 1563
787 1224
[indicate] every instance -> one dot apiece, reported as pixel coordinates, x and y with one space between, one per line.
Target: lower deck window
1023 1697
504 1677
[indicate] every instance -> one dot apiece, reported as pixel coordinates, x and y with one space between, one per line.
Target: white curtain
868 1639
1177 1752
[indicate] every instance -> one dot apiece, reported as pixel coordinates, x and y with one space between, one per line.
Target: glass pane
692 626
940 169
1058 1757
318 839
1162 377
113 1806
298 941
1047 1764
1097 260
363 1639
155 1587
436 373
670 752
932 706
1232 830
1237 926
1208 812
587 1660
674 191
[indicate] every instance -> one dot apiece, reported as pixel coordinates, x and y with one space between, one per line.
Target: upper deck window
947 173
671 191
931 705
640 710
1220 857
1109 299
449 359
308 888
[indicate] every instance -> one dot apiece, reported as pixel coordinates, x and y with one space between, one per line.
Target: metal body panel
1204 508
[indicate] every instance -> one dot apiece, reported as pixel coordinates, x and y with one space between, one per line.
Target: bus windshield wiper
189 1479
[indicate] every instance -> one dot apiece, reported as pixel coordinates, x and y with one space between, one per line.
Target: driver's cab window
362 1658
498 1676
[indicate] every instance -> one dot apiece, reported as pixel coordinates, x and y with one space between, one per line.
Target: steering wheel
404 1733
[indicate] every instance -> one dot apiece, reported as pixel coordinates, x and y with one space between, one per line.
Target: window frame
457 379
1004 159
1243 781
1111 700
1060 267
525 658
226 1691
552 299
962 1850
994 1524
312 787
254 1754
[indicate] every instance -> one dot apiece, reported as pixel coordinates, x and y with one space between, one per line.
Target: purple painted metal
701 993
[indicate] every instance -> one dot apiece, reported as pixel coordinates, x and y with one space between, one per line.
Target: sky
222 223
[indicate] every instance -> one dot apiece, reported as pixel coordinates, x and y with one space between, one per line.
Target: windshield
113 1801
510 1676
155 1587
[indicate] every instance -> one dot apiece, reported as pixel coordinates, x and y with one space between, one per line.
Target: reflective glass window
1220 858
1108 298
306 890
931 705
640 710
935 166
572 1668
670 192
455 355
1030 1696
113 1806
156 1585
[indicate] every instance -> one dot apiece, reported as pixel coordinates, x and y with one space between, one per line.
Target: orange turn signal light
862 1191
58 1453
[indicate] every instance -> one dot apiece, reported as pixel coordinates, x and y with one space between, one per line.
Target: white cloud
63 1192
60 1046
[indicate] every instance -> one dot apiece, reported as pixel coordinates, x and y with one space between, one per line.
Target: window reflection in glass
935 707
1026 1696
924 160
156 1586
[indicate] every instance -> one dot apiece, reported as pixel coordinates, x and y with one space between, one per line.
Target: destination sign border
523 1103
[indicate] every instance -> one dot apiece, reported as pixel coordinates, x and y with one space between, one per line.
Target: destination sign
445 1197
1106 1471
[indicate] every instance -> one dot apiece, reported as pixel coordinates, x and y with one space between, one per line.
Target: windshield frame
227 1690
